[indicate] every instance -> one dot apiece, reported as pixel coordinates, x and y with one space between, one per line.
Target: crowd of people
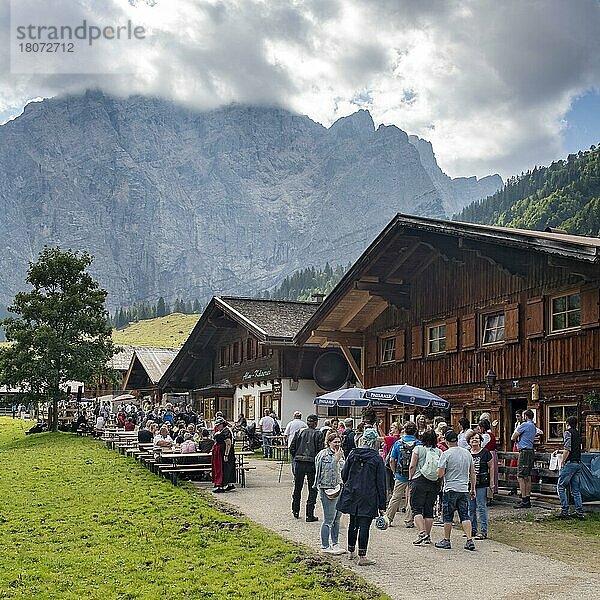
423 470
171 428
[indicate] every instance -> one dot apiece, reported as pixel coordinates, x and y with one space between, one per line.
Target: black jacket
348 442
307 443
364 484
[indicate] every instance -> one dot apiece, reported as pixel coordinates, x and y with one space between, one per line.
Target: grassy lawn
80 521
168 332
573 542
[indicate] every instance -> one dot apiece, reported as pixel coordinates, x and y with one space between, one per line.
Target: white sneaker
327 550
335 549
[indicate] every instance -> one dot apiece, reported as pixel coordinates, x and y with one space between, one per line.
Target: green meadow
170 331
80 521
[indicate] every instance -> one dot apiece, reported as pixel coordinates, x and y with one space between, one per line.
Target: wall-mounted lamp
490 379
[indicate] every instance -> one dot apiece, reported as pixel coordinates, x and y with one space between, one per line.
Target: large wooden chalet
240 358
441 304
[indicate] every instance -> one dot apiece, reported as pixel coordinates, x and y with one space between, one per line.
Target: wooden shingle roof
275 318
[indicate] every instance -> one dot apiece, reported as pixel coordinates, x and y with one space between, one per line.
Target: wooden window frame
476 411
483 317
429 339
551 312
548 427
266 402
222 357
385 349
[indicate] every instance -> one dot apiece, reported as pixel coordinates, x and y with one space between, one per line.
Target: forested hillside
565 195
302 284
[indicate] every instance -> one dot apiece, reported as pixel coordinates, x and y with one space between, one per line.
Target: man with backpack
399 462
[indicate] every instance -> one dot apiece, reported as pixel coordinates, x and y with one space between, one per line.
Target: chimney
317 297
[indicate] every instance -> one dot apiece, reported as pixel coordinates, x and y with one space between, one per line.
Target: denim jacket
328 470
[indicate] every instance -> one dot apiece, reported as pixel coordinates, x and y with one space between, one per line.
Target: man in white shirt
291 429
99 426
162 441
266 426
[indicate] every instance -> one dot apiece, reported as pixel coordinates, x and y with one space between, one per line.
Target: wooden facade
439 305
240 359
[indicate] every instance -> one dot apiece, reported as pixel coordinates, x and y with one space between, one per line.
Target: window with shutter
565 312
416 342
467 331
534 320
436 338
492 328
388 349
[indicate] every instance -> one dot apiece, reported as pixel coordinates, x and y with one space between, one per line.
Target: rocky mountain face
180 203
454 193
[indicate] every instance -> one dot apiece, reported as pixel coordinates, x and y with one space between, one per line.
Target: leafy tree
60 330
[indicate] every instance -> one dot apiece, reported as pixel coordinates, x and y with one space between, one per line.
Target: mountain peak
359 124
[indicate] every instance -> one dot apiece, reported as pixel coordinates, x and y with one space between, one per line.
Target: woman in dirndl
223 458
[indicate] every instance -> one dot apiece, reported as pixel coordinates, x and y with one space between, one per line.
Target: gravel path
493 571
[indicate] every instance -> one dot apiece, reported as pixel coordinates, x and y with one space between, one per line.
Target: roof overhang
408 245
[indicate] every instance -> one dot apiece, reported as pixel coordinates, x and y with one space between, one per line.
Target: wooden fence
543 481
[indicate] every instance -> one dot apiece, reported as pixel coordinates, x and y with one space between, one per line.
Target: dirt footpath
493 571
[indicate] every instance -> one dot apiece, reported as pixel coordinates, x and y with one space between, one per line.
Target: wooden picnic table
176 465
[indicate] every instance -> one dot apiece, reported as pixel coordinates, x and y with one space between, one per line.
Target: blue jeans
478 506
266 444
331 520
569 477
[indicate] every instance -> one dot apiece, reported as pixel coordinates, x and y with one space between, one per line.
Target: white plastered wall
302 398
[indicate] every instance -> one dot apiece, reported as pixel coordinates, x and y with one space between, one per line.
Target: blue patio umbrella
405 394
347 398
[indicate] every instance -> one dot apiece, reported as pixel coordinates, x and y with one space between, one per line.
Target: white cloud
487 82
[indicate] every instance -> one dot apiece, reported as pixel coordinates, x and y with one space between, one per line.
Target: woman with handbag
328 481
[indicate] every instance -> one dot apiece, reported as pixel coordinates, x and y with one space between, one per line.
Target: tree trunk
53 420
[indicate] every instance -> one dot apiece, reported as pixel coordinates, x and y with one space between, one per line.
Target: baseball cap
451 436
312 418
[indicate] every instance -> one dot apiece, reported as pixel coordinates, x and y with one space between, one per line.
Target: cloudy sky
495 85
